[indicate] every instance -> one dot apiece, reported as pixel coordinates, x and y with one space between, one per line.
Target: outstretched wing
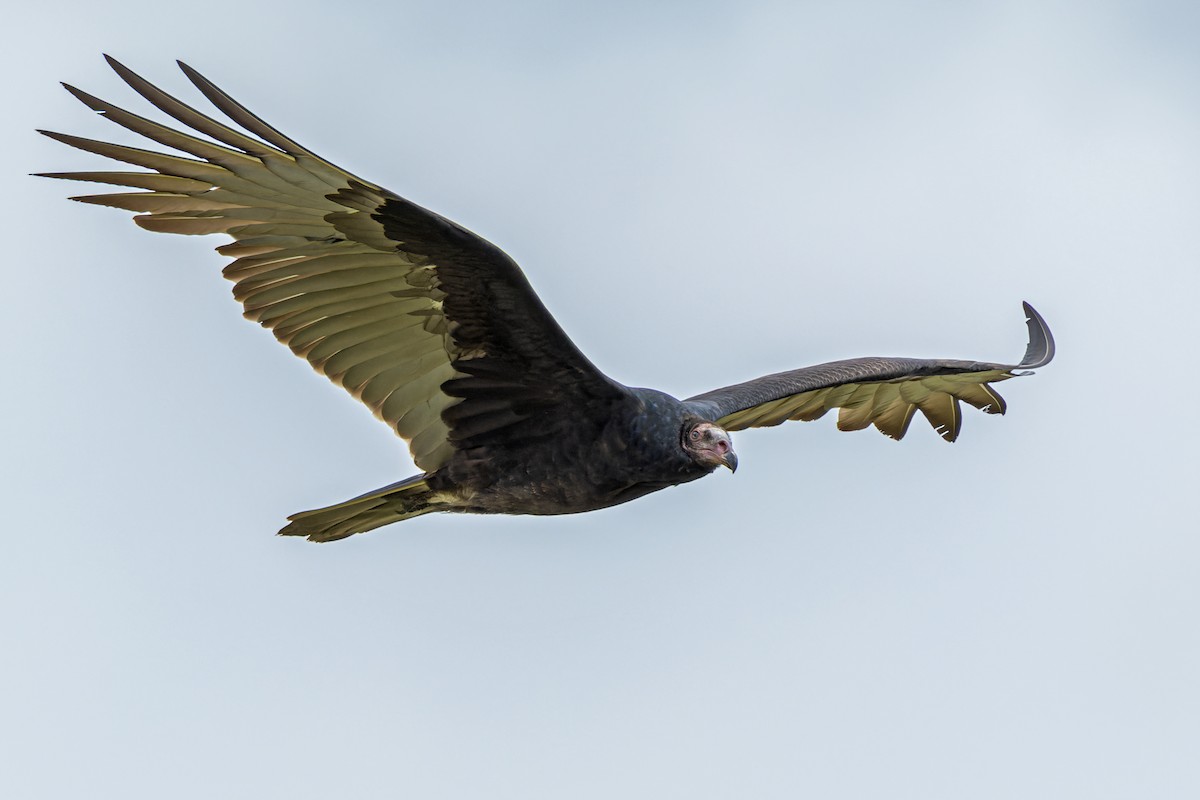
432 327
884 392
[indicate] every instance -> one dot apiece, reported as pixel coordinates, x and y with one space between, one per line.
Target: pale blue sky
1013 615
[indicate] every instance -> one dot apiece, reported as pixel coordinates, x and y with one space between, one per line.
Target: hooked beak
730 460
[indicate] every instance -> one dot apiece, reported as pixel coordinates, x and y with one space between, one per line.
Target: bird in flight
440 334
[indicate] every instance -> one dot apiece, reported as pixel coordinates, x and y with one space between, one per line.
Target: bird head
709 444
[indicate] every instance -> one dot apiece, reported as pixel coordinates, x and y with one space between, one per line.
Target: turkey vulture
440 334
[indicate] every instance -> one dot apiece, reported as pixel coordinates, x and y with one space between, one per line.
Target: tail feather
408 498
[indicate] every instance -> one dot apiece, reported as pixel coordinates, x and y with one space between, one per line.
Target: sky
701 193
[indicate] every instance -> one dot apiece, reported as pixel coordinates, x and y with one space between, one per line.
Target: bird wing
435 329
884 392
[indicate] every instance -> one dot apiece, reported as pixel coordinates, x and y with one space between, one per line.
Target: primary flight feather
439 333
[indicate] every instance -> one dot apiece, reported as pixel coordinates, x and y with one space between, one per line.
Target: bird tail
409 498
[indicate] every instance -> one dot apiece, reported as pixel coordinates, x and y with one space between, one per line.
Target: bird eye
695 434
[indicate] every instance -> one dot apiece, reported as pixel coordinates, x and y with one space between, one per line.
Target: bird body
635 450
441 335
598 462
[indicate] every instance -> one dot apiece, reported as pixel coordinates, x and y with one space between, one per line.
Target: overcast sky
701 193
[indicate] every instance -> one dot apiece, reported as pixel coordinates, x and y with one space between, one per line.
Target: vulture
441 335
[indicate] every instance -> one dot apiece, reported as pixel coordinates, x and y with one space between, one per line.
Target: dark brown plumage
441 335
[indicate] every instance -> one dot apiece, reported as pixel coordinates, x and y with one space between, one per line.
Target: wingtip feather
65 138
194 75
89 100
1040 350
125 73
